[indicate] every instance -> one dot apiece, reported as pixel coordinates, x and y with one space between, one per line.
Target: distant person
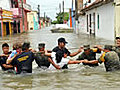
41 58
110 59
4 57
89 54
61 47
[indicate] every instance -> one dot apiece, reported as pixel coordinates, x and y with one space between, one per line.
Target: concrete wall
32 20
5 4
106 21
117 19
82 24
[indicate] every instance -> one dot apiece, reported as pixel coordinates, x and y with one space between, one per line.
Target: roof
95 4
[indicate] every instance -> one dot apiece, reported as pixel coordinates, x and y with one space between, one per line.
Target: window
90 20
98 21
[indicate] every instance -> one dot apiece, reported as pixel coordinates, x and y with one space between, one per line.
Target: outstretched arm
48 53
83 61
51 61
7 66
91 62
75 53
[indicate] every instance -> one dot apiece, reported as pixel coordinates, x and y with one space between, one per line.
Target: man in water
61 47
110 59
41 58
60 59
23 61
4 57
89 54
117 48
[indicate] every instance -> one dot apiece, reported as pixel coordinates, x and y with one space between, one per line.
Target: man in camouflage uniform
117 48
41 58
89 54
110 59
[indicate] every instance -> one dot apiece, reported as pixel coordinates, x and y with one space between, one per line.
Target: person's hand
3 55
80 49
58 67
85 61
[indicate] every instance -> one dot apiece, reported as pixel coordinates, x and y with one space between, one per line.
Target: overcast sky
51 7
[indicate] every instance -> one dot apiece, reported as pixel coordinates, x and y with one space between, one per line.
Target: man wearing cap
110 59
61 47
41 58
23 61
89 54
117 48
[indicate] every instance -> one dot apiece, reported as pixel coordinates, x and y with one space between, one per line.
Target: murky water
77 77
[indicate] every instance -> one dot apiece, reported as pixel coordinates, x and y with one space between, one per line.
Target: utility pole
60 7
44 18
63 11
23 15
76 9
72 15
39 15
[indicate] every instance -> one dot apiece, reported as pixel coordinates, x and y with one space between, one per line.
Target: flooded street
77 77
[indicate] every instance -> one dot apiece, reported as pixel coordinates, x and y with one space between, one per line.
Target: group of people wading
20 59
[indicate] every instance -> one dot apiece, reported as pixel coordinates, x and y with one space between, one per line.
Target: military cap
86 47
108 47
41 45
117 37
62 40
26 44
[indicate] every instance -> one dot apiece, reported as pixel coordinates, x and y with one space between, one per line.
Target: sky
51 7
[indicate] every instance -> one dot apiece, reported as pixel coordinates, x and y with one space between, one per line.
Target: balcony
27 7
17 13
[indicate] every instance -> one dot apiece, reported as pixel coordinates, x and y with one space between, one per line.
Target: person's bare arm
10 60
75 53
75 62
47 53
51 61
91 62
7 66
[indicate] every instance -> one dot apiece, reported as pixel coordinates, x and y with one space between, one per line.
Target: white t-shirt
61 64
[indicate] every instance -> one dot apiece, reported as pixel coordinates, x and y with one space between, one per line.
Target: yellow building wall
4 29
7 17
30 16
30 21
117 18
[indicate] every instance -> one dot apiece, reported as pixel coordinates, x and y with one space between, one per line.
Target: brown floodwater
77 77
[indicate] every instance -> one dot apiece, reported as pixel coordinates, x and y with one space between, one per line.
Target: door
93 23
7 28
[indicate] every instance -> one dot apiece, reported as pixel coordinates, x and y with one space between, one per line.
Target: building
23 8
32 19
19 9
6 20
117 17
100 18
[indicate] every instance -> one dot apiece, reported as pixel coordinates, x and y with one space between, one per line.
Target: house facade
98 18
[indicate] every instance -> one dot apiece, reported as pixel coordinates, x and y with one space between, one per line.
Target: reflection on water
77 77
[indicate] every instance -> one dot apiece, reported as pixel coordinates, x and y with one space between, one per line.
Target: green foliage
54 22
59 18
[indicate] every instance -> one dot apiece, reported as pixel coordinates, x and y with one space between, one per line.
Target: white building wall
106 21
106 15
5 4
82 24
